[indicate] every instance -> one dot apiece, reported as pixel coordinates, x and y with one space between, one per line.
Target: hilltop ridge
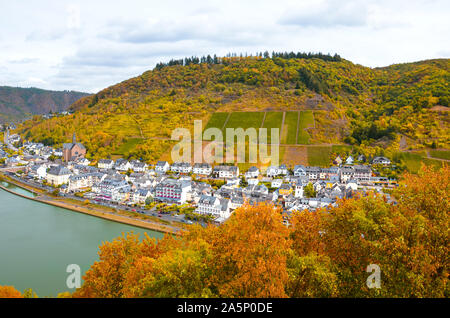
403 103
17 103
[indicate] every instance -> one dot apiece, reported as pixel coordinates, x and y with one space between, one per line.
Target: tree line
208 59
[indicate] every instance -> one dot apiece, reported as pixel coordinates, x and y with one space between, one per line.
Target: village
198 192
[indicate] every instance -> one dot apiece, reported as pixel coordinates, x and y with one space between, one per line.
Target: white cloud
88 45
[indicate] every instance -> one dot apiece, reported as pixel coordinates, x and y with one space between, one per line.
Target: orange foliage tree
9 292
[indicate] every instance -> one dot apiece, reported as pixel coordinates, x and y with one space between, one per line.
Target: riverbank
89 210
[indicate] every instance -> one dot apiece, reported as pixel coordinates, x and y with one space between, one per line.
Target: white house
298 191
83 161
181 167
319 185
218 208
252 172
140 196
15 160
38 171
58 175
138 166
162 167
274 171
299 171
381 161
122 165
226 171
121 196
233 182
58 152
276 183
349 160
78 182
105 164
202 169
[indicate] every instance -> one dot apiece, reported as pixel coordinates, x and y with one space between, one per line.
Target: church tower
74 150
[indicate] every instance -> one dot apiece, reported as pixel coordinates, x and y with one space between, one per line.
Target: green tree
309 191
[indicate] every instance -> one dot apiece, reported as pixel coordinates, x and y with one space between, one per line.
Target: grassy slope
319 156
306 121
441 154
414 160
217 120
290 128
272 120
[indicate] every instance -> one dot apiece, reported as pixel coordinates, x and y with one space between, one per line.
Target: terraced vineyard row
294 130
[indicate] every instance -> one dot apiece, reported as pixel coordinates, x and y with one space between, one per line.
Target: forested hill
19 103
404 103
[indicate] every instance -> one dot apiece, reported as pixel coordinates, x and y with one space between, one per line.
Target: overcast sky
89 45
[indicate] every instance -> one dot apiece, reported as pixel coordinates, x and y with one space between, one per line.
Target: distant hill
19 103
343 103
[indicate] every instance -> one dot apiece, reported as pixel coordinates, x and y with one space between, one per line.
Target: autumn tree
9 292
106 277
250 253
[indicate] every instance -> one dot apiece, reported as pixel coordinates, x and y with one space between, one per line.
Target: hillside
19 103
328 101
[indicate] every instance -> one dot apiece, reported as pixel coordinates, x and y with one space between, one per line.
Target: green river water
38 242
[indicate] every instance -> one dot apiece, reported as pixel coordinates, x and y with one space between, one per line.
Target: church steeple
74 138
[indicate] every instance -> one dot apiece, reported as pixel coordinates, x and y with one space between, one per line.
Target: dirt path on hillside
264 118
138 125
226 121
282 126
440 159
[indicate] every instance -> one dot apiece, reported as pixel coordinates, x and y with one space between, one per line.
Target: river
38 242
